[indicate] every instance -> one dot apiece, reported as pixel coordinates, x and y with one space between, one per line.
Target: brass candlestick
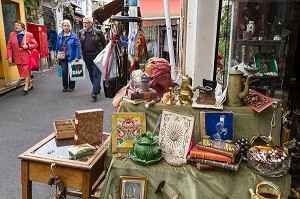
206 141
160 189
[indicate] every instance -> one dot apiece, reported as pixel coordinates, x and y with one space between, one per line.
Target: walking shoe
25 92
71 90
65 90
94 96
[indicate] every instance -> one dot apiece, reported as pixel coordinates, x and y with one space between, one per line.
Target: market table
246 122
189 181
85 175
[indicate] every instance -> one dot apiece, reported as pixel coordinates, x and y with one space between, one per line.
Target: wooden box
64 129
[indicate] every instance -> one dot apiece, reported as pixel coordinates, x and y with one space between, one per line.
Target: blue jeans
94 72
67 84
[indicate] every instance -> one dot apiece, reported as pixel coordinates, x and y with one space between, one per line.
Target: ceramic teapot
235 94
146 146
265 190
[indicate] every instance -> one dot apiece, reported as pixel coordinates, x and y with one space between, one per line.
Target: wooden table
84 175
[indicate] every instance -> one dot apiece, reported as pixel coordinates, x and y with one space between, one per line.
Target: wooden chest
64 129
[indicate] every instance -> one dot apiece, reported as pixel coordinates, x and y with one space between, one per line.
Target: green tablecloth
189 181
246 122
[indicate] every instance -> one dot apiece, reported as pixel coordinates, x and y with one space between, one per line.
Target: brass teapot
186 91
235 94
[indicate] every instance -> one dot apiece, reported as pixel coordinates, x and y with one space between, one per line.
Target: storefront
11 10
154 27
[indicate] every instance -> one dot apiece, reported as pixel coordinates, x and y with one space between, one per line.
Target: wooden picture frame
125 126
133 187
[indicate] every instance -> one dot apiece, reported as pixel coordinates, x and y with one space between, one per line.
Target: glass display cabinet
254 36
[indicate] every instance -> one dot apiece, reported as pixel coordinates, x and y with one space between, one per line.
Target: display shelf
261 42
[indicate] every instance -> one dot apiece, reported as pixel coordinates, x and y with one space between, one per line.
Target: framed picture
134 187
218 125
125 126
175 136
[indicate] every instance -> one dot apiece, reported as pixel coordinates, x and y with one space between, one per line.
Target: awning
109 9
153 13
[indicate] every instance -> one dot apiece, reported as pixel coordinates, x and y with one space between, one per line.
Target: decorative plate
135 158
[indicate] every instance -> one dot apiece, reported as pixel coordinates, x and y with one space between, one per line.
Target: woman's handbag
62 55
34 60
34 57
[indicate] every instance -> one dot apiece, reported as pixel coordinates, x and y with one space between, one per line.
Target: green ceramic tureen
146 150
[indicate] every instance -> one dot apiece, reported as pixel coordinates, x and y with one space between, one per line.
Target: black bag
111 87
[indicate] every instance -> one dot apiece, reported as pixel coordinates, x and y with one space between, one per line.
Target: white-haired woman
67 50
92 43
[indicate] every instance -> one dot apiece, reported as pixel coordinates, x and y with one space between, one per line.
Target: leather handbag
111 87
61 55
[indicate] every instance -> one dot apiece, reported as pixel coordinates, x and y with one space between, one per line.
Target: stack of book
215 158
139 94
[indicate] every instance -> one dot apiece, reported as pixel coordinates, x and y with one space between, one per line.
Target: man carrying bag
92 43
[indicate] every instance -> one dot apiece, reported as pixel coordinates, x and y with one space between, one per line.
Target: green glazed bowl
146 147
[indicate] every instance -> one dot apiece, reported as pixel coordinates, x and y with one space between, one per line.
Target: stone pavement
25 120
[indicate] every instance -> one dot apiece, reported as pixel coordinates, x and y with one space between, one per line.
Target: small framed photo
133 187
125 126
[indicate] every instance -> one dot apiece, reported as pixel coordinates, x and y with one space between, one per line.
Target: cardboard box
64 129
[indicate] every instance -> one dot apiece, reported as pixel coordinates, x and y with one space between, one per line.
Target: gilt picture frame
125 126
134 187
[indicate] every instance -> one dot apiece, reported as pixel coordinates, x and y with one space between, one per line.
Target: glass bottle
251 27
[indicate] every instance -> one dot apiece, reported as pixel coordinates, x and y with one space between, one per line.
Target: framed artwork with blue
217 125
132 2
134 187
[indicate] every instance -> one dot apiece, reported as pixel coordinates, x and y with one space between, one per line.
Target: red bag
34 60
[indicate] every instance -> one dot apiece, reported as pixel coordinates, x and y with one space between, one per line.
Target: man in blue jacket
92 43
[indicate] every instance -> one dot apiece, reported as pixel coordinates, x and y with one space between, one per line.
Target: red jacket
20 55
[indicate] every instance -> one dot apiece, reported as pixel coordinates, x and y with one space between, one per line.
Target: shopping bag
101 59
59 71
77 70
34 60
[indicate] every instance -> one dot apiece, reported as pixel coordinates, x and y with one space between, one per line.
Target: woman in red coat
18 48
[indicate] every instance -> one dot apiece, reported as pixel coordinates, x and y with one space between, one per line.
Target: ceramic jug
235 92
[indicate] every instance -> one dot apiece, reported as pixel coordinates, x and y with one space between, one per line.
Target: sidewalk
26 120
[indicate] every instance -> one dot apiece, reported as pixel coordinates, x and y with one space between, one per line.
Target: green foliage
31 10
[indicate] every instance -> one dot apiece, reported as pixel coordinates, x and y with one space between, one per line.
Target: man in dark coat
92 43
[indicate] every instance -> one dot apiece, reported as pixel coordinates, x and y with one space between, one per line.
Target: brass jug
235 94
186 91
